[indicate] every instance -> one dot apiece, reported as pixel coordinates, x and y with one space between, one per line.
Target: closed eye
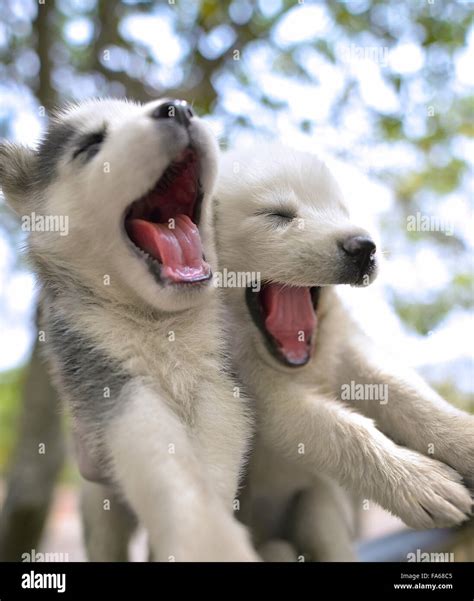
89 145
282 214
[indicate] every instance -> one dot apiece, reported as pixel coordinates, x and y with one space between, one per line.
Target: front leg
410 412
326 437
108 524
157 464
322 523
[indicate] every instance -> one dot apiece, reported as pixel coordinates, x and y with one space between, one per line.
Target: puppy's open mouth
163 223
286 316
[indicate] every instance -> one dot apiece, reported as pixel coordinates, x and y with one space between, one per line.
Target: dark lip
369 270
154 266
356 274
255 310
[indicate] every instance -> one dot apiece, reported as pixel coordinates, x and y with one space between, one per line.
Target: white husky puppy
280 214
129 315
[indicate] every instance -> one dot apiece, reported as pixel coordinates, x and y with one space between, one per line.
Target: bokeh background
384 90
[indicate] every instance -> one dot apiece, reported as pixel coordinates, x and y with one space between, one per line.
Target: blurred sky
417 272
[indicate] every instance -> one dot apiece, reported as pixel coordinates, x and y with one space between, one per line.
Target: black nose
360 248
174 109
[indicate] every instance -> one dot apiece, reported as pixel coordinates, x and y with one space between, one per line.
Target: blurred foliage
213 45
11 386
424 317
230 59
10 390
449 390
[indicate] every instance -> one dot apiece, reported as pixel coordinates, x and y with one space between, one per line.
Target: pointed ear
17 169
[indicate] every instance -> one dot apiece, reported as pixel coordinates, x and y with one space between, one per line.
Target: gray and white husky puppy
280 214
130 318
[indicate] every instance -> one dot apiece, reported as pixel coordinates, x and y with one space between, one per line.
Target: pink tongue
290 319
178 249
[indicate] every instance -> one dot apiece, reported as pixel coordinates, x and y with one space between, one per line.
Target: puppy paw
429 494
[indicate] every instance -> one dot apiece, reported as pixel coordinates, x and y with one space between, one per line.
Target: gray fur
51 150
92 383
17 163
25 171
86 371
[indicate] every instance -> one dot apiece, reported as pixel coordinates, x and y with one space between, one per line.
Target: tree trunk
34 468
36 463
